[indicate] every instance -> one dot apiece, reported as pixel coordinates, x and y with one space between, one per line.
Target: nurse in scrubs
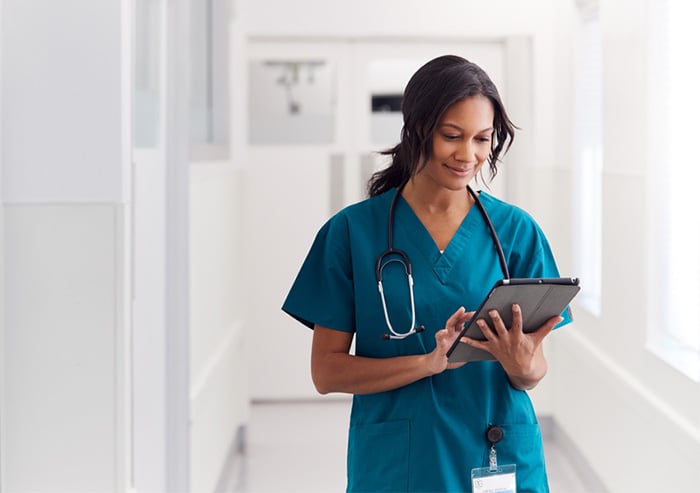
419 423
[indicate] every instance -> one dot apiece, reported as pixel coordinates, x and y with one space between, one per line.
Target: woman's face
461 143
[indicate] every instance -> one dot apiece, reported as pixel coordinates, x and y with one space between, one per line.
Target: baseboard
553 432
233 473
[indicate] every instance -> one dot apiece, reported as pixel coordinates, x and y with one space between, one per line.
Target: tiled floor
300 447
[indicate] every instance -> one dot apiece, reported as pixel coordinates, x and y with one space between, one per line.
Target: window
209 84
148 78
588 148
674 334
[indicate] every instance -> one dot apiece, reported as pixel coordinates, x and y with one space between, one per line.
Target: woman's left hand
520 353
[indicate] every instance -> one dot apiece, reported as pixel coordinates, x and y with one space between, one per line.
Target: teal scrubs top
426 436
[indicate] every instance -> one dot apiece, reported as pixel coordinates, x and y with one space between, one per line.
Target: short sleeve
532 257
322 292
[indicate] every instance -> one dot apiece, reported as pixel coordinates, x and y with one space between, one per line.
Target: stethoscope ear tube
494 235
392 254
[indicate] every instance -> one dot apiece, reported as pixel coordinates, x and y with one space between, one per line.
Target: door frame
356 163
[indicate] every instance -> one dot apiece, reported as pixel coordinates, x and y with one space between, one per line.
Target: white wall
149 321
218 363
51 72
446 21
63 403
634 418
65 165
2 262
84 406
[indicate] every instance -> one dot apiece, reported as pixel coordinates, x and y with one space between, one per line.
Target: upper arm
327 341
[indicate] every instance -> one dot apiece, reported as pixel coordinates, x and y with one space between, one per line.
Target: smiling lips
461 171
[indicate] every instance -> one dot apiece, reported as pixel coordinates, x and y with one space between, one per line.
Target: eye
483 139
451 136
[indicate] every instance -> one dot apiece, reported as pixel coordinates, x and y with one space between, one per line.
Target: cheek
441 150
483 154
482 161
438 149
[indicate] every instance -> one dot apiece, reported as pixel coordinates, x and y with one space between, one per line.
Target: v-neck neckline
441 262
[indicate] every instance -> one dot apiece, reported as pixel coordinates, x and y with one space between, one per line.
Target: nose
466 151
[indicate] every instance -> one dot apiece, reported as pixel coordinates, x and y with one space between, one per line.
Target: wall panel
218 390
62 340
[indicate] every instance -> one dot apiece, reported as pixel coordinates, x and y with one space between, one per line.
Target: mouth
458 170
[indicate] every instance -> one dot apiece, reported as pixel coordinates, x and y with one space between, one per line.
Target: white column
66 161
177 233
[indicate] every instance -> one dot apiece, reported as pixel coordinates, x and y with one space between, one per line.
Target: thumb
441 339
547 328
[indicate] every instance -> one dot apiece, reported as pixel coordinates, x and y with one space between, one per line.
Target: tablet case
540 299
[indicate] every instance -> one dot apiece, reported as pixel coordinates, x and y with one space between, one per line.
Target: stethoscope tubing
494 235
406 262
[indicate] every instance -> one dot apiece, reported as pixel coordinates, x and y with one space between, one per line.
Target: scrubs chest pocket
378 457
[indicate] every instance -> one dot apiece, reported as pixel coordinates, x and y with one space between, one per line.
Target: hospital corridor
279 457
241 241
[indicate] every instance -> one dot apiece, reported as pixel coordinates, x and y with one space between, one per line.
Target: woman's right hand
445 338
333 369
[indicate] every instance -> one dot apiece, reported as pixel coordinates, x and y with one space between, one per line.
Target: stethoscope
400 256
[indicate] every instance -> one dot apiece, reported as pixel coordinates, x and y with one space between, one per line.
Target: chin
458 186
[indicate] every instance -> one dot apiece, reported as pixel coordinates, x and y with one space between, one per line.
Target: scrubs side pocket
522 446
378 457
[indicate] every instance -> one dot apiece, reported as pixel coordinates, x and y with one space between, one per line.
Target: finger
544 330
547 327
475 343
441 339
486 330
464 319
498 323
517 324
468 315
455 318
444 340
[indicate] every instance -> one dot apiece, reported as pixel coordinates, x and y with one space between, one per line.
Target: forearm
338 372
334 369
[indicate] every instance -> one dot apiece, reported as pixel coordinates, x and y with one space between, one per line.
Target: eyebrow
455 126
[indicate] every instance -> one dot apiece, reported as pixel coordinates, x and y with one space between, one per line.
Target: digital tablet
539 300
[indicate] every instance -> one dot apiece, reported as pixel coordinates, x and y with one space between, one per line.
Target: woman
420 423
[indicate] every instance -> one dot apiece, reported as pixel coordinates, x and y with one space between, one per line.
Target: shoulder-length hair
436 86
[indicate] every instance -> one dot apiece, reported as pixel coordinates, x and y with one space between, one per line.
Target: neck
436 200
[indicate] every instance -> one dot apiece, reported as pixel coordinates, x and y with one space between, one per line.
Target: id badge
490 480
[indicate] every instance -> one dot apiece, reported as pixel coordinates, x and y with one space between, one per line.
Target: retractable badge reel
495 478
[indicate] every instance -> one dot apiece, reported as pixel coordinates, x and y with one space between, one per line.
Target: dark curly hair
436 86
